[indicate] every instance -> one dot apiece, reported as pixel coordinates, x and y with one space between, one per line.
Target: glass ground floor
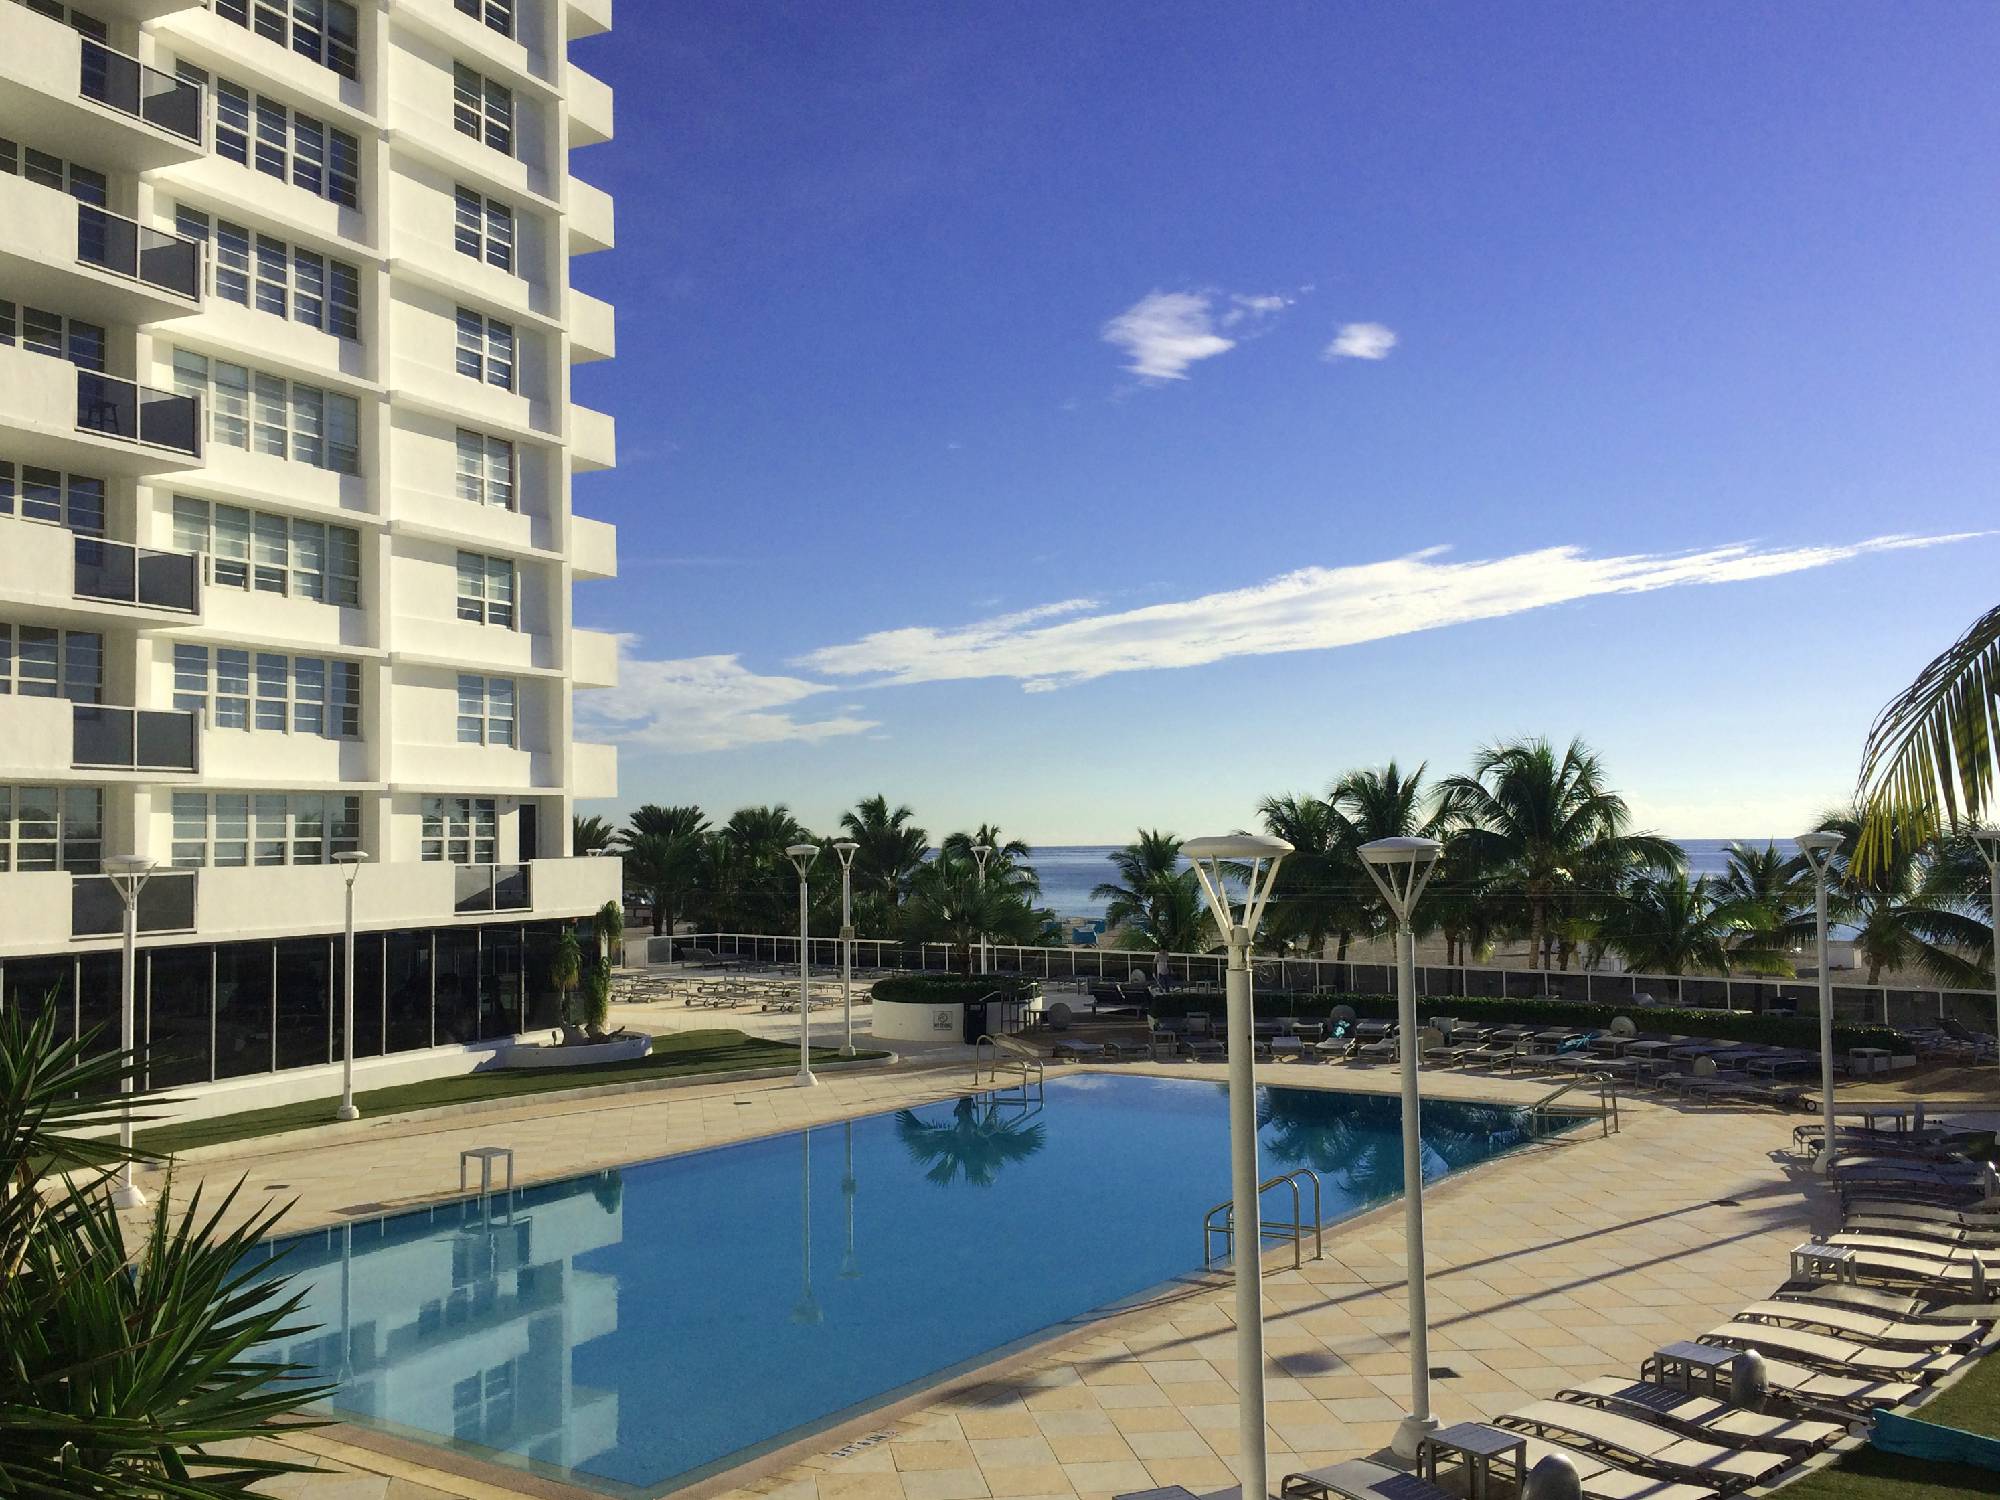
206 1011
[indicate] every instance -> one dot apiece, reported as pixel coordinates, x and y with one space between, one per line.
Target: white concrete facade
258 379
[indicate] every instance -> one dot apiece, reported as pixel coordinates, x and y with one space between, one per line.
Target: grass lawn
1973 1405
675 1055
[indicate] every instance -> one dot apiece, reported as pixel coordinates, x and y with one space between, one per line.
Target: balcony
134 739
166 904
588 17
55 251
593 770
113 407
51 576
593 440
593 659
75 96
478 888
114 573
593 329
590 115
592 218
593 548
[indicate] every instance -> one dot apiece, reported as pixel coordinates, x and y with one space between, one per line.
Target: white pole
805 1078
347 1111
1419 1423
1826 1155
1247 1234
847 957
126 1194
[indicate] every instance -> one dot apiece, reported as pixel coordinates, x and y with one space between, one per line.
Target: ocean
1069 872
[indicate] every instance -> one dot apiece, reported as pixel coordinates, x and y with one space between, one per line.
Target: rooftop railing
133 739
123 574
153 257
113 406
166 904
121 82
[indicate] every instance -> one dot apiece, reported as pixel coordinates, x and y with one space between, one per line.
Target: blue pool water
633 1330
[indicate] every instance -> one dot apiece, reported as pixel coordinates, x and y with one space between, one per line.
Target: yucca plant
121 1376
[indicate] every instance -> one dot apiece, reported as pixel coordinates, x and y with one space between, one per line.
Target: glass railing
115 407
166 904
127 85
493 888
171 262
132 739
137 575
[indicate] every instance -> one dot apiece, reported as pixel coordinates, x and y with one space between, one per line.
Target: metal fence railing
1889 1005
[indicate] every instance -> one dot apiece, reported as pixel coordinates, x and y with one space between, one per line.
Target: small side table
1817 1261
1476 1446
486 1156
1688 1366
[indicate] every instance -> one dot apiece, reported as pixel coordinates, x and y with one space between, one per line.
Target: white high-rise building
286 538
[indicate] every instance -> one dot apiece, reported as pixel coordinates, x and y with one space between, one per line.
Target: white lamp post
1400 868
351 858
802 857
1262 855
846 849
980 854
1987 841
129 874
1818 848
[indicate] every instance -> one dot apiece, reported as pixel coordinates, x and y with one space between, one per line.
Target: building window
485 349
53 334
282 142
485 469
246 549
268 691
485 710
51 828
36 494
485 229
39 661
69 16
323 30
498 14
485 590
242 828
482 109
257 270
461 830
52 171
268 414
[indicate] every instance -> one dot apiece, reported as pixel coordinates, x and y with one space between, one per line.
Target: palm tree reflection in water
982 1138
1354 1142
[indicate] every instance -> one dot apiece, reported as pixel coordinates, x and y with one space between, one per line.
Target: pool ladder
1607 1105
1219 1223
987 1054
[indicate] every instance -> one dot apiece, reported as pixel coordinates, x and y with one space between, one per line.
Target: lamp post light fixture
1400 868
802 857
1246 1242
352 859
846 848
1987 842
980 854
129 874
1819 847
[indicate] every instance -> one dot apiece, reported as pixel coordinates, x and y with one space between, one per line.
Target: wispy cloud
705 703
1313 609
1165 332
1361 341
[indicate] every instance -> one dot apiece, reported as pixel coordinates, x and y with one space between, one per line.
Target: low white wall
204 1101
904 1021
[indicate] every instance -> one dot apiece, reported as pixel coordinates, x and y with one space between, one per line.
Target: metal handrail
1607 1104
1293 1230
1031 1067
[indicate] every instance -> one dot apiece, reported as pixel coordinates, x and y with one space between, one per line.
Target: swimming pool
636 1330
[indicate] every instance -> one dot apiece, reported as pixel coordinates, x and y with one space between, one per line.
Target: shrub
1734 1026
597 995
953 989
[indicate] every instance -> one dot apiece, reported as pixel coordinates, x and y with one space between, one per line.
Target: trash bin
975 1020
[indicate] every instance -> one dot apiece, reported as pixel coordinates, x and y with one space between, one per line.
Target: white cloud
1361 341
704 703
1313 609
1165 332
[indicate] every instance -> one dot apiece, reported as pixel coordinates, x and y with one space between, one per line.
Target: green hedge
951 989
1735 1026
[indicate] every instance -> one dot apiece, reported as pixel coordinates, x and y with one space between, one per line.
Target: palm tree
1153 897
1315 892
1931 756
1551 829
892 848
1768 887
976 1145
948 903
669 822
666 871
1671 925
1008 861
588 835
767 882
1380 804
1909 910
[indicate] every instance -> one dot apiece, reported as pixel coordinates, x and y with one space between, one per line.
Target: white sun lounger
1870 1299
1623 1439
1920 1249
1927 1230
1844 1356
1357 1479
1604 1480
1705 1416
1848 1322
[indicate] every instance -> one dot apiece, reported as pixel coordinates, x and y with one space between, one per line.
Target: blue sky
967 352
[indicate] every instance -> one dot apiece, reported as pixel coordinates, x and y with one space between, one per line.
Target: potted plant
566 973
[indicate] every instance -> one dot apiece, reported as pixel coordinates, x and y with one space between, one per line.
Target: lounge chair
1601 1479
1928 1230
1872 1299
1850 1322
1206 1049
1928 1213
1894 1243
1838 1355
1705 1417
1357 1479
1923 1272
1634 1442
1069 1049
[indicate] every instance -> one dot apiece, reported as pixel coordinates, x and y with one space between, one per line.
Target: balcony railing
171 262
166 904
494 888
137 575
133 739
112 406
127 85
